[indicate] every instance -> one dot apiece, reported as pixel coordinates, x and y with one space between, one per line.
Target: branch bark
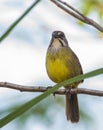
43 89
75 13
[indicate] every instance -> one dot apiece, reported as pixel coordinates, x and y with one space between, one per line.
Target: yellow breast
57 69
62 64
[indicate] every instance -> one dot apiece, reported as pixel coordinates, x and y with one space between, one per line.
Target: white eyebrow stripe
59 33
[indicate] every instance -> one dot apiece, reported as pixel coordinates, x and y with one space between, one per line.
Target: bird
62 64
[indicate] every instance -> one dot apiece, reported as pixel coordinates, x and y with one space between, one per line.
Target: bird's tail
72 108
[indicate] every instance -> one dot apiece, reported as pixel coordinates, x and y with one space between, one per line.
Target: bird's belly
57 70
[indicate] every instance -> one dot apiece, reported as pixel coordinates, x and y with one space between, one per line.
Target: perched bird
63 64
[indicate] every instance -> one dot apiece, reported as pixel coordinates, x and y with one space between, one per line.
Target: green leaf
17 21
39 98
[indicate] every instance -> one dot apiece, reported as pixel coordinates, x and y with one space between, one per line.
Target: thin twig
43 89
75 13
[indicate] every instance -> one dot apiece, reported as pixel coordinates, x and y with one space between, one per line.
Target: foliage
93 7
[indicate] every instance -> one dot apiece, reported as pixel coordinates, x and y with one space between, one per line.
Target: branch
75 13
43 89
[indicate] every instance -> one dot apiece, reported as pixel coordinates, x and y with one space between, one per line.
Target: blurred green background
22 56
